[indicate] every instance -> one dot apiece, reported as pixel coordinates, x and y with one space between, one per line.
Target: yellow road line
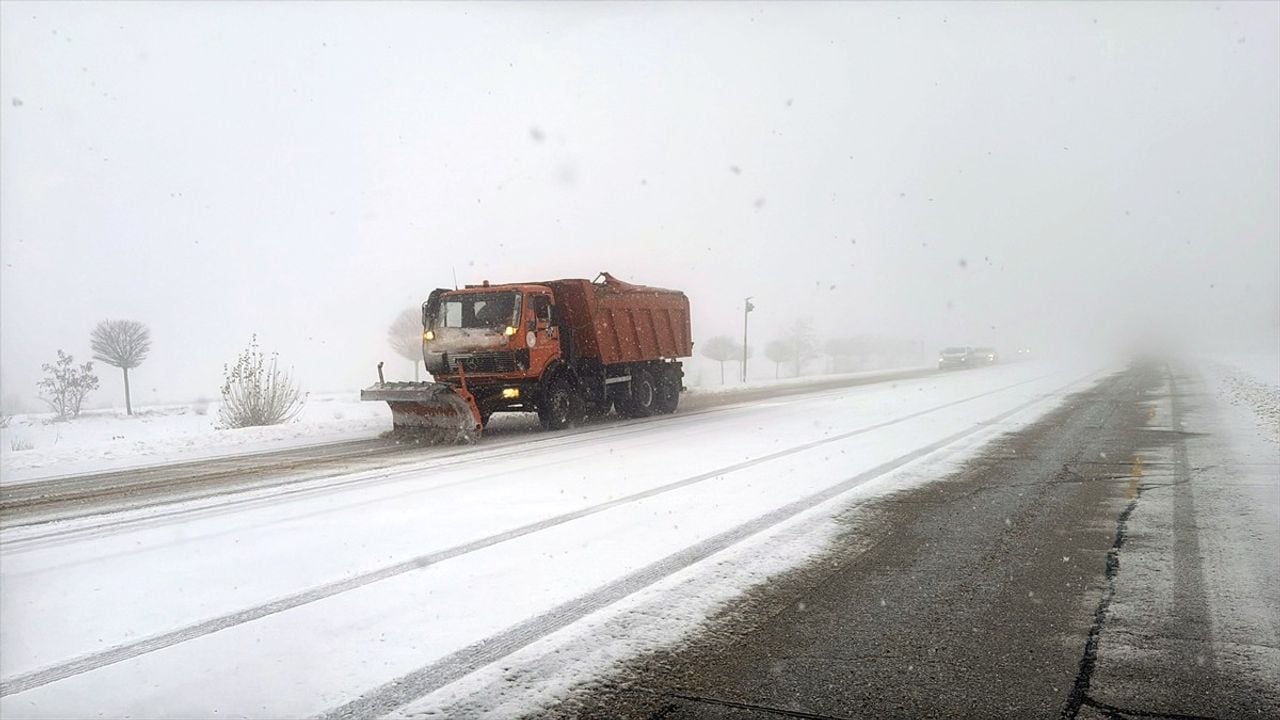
1135 476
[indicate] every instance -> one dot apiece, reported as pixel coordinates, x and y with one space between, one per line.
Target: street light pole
747 307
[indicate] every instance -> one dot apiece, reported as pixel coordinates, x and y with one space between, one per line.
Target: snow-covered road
377 592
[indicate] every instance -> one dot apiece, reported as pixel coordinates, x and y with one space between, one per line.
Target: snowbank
34 446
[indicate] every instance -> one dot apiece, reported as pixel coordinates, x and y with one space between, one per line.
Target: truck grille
488 362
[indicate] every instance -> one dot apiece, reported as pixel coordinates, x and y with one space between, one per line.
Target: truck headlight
428 335
510 393
510 331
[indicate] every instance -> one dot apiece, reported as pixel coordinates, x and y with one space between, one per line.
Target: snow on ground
34 446
662 615
1252 382
1263 367
1236 491
297 604
736 387
1224 473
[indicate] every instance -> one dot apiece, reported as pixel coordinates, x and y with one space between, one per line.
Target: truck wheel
643 400
668 392
561 407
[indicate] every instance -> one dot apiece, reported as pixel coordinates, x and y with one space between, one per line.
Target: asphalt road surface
1101 563
1011 542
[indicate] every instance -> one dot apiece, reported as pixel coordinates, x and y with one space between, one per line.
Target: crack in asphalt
1080 692
1089 660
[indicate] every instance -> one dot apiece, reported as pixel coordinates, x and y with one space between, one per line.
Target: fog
1060 176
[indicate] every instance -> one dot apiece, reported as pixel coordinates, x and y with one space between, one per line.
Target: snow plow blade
425 411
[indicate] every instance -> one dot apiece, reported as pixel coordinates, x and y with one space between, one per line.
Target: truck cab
499 339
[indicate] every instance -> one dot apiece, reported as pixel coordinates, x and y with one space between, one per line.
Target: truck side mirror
432 306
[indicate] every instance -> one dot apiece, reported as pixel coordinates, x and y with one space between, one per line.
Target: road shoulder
979 595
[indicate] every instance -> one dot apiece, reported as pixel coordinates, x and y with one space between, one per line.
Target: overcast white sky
947 173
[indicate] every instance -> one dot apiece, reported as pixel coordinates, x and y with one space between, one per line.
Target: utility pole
747 307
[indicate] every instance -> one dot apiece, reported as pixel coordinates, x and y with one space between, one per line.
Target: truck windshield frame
468 310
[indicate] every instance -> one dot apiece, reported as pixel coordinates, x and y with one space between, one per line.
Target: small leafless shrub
19 444
66 385
256 392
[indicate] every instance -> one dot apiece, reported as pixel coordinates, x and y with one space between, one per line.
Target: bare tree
65 386
255 391
843 351
405 337
722 349
778 352
123 344
803 345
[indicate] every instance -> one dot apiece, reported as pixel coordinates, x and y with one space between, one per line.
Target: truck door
541 336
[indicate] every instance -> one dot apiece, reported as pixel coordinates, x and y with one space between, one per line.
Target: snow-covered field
480 587
34 446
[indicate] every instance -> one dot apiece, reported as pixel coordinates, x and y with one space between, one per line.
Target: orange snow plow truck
565 349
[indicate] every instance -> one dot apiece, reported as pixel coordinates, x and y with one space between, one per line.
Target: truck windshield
479 310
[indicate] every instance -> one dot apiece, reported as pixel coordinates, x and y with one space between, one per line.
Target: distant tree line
798 346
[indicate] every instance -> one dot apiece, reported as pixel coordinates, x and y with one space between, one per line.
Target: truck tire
561 407
668 396
643 399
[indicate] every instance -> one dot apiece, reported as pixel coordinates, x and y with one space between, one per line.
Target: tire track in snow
342 479
412 686
191 475
339 481
92 661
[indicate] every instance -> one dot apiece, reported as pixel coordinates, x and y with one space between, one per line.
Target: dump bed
618 322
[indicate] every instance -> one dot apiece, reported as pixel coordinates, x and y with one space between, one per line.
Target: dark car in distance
954 358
